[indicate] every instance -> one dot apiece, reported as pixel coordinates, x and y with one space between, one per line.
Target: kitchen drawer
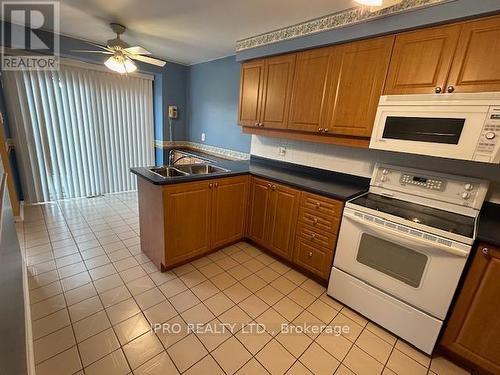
318 237
321 205
313 257
327 223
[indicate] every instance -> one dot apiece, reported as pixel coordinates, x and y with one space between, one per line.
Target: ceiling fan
122 54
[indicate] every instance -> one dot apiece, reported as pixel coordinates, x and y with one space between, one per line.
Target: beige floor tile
361 320
47 307
172 332
252 367
114 363
75 281
102 271
253 340
98 346
269 295
301 297
413 353
53 343
107 283
132 274
114 296
85 308
272 321
119 255
253 283
97 261
142 349
382 333
239 272
295 343
91 326
213 335
205 290
161 364
50 323
67 362
226 262
125 264
71 270
336 345
266 259
361 363
354 328
282 284
235 316
218 303
150 298
322 311
331 302
198 314
253 265
241 256
253 306
79 294
192 279
44 292
388 371
275 358
160 313
201 262
172 287
131 328
122 311
298 369
287 308
223 280
441 366
319 361
374 345
313 287
306 319
182 270
231 355
187 352
140 285
342 370
184 301
400 363
267 274
237 292
206 366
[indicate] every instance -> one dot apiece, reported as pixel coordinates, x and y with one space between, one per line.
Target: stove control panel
458 190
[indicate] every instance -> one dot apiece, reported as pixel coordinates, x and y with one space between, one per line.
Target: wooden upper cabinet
251 86
278 75
187 220
476 66
282 219
473 330
357 82
309 89
421 60
229 207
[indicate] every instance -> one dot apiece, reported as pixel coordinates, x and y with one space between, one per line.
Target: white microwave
457 126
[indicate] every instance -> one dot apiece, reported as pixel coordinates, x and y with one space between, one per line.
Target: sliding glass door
77 131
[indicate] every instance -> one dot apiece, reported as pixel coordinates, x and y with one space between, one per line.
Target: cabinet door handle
486 252
310 254
450 89
320 130
438 90
315 221
210 185
313 236
256 124
325 130
273 187
318 205
269 186
216 184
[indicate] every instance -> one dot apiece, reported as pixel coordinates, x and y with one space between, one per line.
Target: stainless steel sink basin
168 171
200 169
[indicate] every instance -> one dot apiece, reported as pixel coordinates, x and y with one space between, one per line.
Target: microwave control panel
488 146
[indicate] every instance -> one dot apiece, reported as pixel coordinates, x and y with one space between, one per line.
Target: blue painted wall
213 92
454 10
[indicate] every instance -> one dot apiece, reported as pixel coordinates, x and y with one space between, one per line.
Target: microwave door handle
405 239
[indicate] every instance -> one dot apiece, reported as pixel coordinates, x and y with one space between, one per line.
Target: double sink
196 166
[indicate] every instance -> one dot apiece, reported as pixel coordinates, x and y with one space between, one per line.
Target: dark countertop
489 224
327 183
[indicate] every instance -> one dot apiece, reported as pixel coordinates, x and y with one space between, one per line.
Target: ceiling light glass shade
372 3
120 64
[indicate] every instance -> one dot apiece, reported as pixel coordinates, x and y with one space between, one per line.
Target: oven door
442 131
421 273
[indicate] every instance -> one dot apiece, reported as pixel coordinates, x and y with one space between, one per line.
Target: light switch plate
203 137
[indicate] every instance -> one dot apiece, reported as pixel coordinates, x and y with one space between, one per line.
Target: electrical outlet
281 151
203 137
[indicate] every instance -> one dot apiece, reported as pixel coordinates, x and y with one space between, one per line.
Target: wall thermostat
172 111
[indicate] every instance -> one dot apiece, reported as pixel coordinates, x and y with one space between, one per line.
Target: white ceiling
188 31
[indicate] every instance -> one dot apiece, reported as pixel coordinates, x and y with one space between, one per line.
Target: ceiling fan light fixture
120 64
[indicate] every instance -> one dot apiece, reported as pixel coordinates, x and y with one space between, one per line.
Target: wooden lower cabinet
313 258
272 216
229 210
472 334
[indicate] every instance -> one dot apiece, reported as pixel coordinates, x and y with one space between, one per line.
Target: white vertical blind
78 131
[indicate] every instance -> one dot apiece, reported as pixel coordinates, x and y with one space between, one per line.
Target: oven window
435 130
394 260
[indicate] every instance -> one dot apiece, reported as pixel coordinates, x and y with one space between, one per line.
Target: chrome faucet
171 155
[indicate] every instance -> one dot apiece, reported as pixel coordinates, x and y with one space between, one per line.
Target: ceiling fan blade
100 46
148 60
89 51
137 50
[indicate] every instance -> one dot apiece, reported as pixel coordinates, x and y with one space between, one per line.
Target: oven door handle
401 237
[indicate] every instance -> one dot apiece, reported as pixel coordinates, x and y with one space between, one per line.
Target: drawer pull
315 221
310 254
313 236
273 187
318 205
486 252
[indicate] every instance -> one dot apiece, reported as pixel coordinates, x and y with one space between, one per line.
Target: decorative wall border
217 151
341 19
